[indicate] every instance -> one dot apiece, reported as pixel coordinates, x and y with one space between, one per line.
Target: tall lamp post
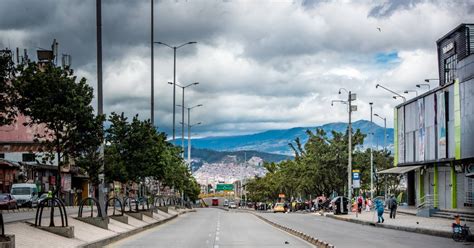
174 79
100 109
189 130
371 158
182 112
351 108
391 91
426 85
384 129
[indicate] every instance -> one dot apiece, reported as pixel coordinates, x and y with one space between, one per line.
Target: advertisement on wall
441 121
401 135
421 127
66 182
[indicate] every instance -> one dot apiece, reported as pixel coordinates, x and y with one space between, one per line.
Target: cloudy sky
261 64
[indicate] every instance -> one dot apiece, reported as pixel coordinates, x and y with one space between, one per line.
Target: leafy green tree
7 109
52 97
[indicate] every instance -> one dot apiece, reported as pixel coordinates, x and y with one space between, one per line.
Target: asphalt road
345 234
213 228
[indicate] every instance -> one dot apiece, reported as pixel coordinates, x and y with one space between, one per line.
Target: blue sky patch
387 58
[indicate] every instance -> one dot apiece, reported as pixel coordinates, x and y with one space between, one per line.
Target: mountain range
276 141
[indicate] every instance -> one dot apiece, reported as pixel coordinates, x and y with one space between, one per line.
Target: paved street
213 228
346 234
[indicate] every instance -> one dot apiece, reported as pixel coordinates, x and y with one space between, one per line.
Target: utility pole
152 116
174 95
100 109
371 158
349 165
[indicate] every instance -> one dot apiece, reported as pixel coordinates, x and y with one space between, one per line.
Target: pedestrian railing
52 203
114 200
427 201
90 201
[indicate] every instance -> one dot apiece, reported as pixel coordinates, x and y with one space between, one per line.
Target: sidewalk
404 222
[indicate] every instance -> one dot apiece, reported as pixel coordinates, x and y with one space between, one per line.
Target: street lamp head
394 97
419 86
170 82
406 92
192 42
196 83
199 105
371 103
376 86
427 80
376 115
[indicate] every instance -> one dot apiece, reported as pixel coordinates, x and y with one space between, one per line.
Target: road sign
224 187
355 179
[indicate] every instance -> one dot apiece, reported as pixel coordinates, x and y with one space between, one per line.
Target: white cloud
261 65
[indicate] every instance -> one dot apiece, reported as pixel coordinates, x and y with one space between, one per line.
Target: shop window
28 157
450 68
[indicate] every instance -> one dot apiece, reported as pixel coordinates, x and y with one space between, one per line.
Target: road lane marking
217 238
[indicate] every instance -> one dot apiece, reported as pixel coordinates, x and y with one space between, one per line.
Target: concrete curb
109 240
312 240
394 227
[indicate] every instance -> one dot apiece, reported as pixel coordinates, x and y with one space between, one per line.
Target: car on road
26 194
7 201
232 205
279 208
226 203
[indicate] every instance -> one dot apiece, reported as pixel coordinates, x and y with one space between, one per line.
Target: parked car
26 194
232 205
7 201
226 203
279 208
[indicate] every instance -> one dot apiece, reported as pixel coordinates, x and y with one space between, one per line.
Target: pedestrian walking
368 204
393 206
379 208
360 201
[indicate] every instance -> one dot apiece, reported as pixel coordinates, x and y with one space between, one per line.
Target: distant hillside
276 141
205 155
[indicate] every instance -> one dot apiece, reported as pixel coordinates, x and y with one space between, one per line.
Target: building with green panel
434 132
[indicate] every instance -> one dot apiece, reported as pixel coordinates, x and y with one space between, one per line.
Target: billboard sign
441 121
421 128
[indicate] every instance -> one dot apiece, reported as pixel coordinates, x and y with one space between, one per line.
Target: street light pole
384 129
152 116
391 91
351 97
182 112
100 109
174 80
371 159
189 132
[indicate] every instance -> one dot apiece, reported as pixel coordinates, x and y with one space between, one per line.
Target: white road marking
217 238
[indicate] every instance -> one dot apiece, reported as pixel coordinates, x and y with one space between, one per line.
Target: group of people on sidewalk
379 206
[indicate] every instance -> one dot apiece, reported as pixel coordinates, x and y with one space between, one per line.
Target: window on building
2 155
470 39
450 68
28 157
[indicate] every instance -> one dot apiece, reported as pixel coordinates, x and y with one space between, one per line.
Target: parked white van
26 194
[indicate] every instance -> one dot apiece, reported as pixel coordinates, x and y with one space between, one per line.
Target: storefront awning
399 170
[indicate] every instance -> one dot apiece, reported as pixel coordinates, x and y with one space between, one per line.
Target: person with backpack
393 206
360 201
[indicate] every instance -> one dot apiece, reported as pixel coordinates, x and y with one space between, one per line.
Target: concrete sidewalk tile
431 226
29 236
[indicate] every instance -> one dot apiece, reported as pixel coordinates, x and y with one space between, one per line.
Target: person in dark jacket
393 206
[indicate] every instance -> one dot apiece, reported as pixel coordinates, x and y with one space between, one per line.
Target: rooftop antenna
54 48
66 60
17 55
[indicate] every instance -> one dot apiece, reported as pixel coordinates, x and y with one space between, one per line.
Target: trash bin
339 205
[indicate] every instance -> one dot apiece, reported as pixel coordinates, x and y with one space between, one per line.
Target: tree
7 109
50 96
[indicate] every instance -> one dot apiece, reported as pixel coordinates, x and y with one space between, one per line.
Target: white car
232 205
